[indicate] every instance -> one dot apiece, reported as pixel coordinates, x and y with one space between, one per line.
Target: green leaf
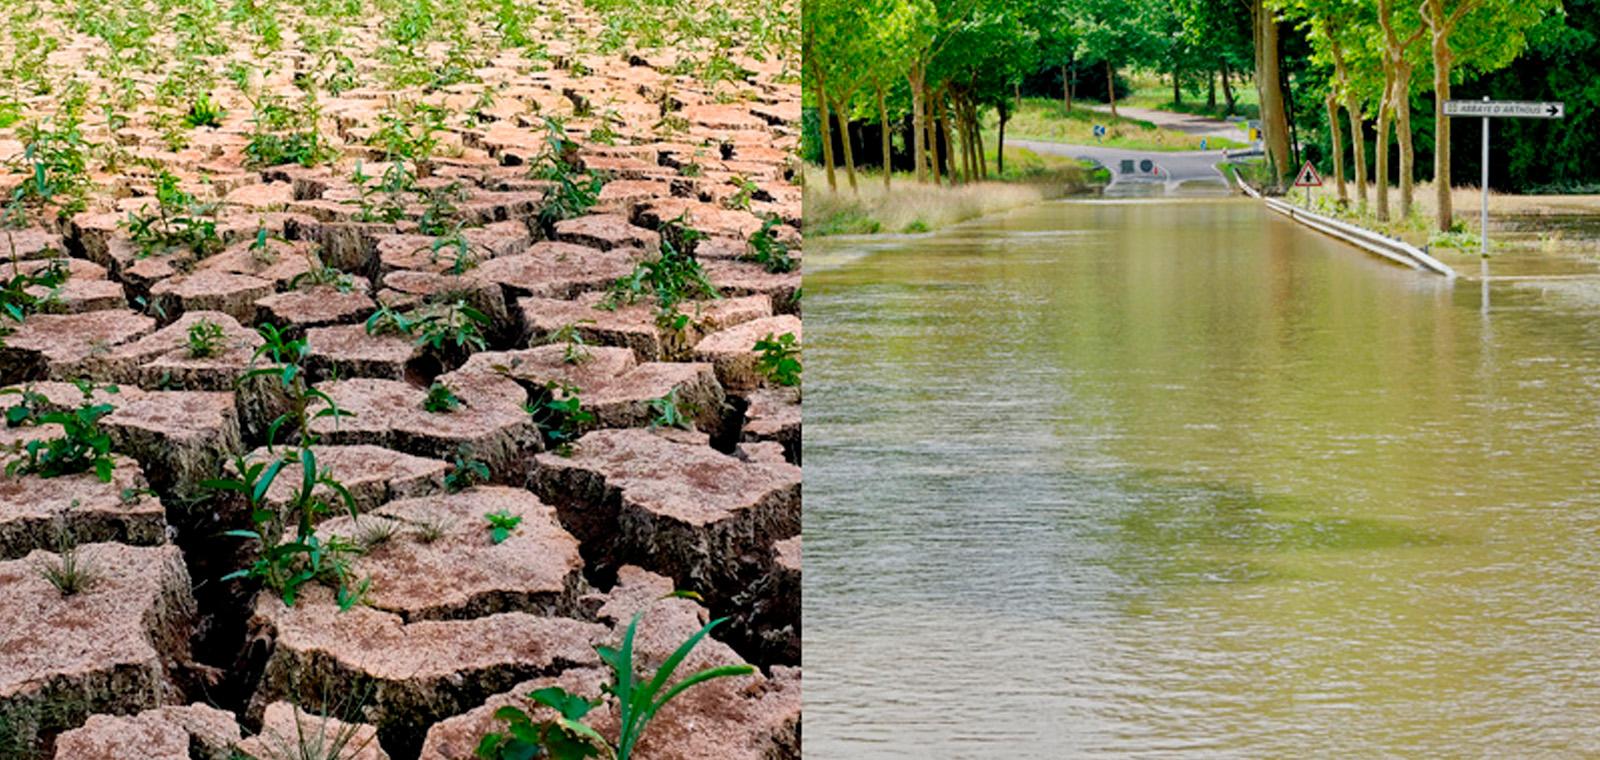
570 706
724 671
664 673
266 481
511 713
588 740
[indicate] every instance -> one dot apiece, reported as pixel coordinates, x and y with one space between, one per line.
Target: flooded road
1125 479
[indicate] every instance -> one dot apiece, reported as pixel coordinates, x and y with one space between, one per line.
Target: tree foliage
1360 79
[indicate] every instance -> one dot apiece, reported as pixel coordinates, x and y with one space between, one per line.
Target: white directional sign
1487 109
1516 109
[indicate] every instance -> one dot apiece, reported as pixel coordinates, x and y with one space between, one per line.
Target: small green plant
766 249
55 161
638 700
466 471
440 212
429 531
560 155
744 190
501 525
178 222
576 351
82 447
441 399
572 193
779 359
604 131
320 735
664 412
260 250
205 339
289 357
408 131
204 112
30 406
282 134
672 277
560 415
385 200
462 253
70 572
18 297
570 197
286 563
453 326
319 273
376 533
386 320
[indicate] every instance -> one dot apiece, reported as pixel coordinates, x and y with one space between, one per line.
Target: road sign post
1499 109
1483 222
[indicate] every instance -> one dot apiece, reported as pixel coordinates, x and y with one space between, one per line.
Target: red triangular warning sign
1308 177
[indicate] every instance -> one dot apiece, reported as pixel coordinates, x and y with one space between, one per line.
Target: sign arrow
1504 109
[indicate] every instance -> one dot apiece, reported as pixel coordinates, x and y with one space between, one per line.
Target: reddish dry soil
159 657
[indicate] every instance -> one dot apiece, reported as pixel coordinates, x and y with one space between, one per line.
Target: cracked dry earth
687 116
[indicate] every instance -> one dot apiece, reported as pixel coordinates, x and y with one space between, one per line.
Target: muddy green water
1131 479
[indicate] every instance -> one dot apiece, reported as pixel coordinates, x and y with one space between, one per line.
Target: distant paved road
1175 173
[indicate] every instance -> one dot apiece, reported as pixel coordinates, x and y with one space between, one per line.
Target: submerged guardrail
1397 251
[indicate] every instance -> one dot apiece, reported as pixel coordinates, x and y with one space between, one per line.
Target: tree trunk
944 127
1352 107
1072 87
1211 90
914 81
842 114
968 127
1441 143
1111 88
1274 121
977 141
962 143
1177 87
929 100
1380 176
1066 89
1398 72
888 145
1358 146
1332 104
1287 88
827 132
1402 89
1227 90
1000 146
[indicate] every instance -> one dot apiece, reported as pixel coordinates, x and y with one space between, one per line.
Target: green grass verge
910 207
